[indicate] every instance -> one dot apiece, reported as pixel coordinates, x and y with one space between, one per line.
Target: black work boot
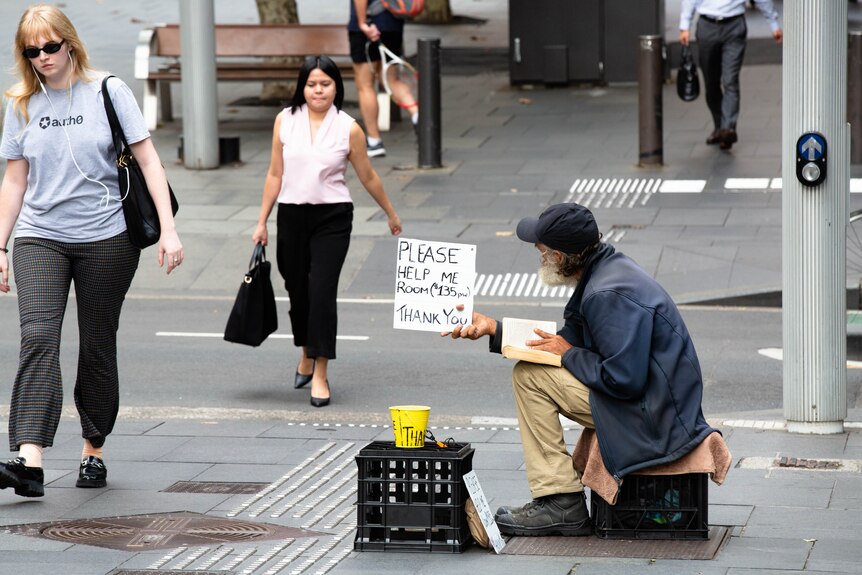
558 514
27 481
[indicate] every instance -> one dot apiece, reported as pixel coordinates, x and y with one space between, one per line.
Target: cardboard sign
481 504
431 278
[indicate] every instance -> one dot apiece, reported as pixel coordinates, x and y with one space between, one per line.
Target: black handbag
139 210
253 316
687 80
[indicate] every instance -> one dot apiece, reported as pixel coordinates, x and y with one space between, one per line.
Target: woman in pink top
312 142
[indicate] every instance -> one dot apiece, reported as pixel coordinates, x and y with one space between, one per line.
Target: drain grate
703 550
157 531
800 463
215 487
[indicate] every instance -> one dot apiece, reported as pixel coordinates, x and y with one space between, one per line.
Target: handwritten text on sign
431 278
484 511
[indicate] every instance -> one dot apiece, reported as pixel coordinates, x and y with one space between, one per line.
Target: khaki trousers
542 392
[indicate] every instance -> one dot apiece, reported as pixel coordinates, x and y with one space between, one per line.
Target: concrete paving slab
803 522
835 555
764 553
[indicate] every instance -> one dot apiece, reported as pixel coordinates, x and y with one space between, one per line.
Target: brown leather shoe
727 138
713 138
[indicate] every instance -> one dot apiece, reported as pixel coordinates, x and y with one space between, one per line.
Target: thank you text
431 278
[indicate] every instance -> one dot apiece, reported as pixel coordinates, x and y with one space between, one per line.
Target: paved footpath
258 495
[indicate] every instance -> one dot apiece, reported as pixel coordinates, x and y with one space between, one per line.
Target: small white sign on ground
481 504
431 278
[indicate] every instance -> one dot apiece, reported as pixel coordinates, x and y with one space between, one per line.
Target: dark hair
328 67
573 263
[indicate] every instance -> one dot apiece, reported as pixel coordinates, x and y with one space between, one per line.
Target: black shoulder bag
254 315
139 210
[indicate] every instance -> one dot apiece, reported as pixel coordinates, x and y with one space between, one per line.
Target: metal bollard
650 135
854 94
429 102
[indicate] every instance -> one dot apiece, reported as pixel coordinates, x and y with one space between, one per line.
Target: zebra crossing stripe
517 285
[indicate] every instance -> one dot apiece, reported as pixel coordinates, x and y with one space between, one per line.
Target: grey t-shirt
60 203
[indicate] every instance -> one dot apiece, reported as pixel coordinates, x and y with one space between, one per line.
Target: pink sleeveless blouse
314 172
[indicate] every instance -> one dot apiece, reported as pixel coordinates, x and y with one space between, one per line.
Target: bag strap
257 256
116 129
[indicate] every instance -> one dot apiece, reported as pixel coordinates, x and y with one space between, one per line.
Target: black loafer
301 380
26 481
92 473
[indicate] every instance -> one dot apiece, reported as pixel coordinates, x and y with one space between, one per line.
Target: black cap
568 228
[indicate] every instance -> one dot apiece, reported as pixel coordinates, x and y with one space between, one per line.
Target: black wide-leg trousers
311 248
44 270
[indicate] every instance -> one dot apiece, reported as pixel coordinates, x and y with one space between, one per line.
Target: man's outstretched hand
480 326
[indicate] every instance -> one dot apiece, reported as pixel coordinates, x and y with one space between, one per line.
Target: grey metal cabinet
563 41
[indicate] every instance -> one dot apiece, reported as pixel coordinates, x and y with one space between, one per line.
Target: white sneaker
376 150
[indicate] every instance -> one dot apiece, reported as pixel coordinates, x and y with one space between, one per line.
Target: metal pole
854 94
200 114
814 216
650 101
429 103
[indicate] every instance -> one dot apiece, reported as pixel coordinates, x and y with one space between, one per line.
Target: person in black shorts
369 25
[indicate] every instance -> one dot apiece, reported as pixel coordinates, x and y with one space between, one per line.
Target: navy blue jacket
632 349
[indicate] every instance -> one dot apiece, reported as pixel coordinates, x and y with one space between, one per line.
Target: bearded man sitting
629 370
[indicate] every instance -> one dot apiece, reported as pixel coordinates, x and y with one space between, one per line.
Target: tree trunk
435 12
277 12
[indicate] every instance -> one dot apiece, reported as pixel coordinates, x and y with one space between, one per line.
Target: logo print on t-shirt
45 122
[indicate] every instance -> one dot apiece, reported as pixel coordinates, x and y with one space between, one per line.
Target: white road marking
778 353
682 186
273 336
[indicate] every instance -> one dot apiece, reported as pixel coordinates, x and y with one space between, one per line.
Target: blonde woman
60 186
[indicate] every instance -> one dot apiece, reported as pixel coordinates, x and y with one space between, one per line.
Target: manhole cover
704 549
158 531
215 487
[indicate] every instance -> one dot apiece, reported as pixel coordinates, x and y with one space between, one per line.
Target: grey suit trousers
721 49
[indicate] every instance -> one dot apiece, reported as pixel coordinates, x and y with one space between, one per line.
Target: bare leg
364 80
319 384
306 364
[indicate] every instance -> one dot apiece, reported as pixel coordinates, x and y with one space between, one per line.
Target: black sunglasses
49 48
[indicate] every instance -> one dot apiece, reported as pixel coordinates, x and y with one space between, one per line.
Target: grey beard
549 274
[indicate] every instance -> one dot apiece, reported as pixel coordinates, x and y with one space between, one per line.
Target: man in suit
721 39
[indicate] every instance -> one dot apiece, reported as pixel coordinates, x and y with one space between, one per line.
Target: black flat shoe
92 473
301 380
26 481
321 401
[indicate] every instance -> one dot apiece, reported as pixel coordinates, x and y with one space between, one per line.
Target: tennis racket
401 72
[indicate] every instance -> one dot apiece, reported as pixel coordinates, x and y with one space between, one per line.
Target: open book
516 332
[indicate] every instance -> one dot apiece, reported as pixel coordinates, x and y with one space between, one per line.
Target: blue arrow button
811 146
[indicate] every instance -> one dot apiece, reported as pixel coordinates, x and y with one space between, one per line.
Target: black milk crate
412 499
655 507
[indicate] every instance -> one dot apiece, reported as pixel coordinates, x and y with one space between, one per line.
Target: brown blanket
711 456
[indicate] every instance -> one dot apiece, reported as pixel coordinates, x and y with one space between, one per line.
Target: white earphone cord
107 198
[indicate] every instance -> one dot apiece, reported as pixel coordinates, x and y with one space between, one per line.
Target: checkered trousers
43 271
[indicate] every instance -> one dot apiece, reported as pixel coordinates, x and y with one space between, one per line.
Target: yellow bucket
409 423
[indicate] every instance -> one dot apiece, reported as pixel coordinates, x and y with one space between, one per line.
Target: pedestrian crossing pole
815 174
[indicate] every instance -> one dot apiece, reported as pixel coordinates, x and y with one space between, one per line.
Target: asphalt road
377 366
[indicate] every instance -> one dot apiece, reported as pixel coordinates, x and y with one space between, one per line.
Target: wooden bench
241 50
